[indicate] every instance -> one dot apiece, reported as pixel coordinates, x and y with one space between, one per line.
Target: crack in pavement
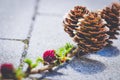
11 39
27 40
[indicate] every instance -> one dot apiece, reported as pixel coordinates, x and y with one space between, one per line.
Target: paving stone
15 18
61 7
48 33
10 52
90 67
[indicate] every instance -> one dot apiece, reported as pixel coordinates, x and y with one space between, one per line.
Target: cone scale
88 30
111 15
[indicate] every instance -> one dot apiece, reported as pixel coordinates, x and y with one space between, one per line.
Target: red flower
7 70
49 56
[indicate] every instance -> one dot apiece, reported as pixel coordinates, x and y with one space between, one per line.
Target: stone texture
10 52
91 66
48 33
15 18
61 7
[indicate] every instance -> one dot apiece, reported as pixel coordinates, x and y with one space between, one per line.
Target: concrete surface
10 52
15 18
39 23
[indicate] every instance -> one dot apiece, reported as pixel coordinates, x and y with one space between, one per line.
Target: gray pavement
39 22
15 18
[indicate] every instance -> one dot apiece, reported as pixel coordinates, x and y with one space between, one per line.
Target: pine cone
90 34
111 15
71 19
49 56
7 71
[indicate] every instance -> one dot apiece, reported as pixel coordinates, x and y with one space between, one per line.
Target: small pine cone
49 56
111 15
71 19
90 35
7 71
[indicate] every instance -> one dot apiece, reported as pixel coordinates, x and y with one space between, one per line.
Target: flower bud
7 70
49 56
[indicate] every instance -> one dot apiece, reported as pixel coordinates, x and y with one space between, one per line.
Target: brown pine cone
71 19
90 34
111 15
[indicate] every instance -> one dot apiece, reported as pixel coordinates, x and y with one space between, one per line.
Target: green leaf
28 61
60 51
39 59
34 65
19 73
68 45
63 51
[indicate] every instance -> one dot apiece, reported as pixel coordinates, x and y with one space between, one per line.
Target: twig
50 66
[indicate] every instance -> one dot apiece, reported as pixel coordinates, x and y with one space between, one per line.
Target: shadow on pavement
54 72
109 51
51 74
82 65
87 66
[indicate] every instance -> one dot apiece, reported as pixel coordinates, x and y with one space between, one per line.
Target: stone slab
15 18
10 52
61 7
48 33
90 67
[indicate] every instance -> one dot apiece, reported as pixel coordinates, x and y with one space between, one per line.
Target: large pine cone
111 15
71 19
90 34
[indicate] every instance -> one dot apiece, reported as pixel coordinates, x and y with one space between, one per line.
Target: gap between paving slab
70 69
26 41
